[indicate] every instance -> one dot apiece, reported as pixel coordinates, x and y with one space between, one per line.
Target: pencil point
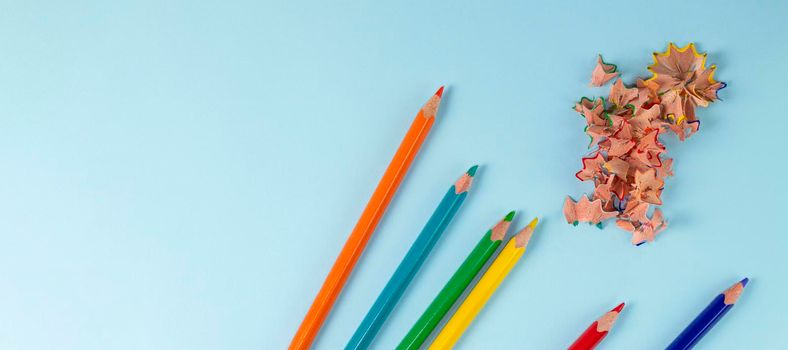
498 232
524 236
472 170
533 223
430 108
465 181
619 307
606 322
732 294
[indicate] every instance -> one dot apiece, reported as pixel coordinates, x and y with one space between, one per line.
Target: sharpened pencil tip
606 322
498 232
522 238
430 108
619 307
472 170
533 223
465 181
733 293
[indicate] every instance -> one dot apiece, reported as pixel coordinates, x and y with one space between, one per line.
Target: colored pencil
597 331
407 269
708 317
487 285
366 224
456 285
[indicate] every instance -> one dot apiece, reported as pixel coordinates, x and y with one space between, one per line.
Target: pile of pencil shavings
628 165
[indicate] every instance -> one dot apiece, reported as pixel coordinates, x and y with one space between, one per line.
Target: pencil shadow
621 323
536 239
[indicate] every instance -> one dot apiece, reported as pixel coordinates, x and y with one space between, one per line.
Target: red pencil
597 330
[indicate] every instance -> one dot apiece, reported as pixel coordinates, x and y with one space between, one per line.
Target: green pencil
456 285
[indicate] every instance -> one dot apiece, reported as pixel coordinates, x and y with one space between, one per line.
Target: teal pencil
411 263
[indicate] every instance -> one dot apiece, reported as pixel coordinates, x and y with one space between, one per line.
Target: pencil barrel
478 297
701 324
589 339
407 269
446 298
357 241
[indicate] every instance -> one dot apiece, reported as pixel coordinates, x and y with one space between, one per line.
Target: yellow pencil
484 289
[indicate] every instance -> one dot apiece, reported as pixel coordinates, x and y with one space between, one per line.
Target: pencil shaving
627 163
603 72
585 210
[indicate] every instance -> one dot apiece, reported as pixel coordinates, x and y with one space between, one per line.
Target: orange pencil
366 224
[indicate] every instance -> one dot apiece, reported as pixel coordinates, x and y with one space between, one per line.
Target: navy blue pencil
708 317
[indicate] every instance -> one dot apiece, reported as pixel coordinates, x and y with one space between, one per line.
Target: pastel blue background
181 175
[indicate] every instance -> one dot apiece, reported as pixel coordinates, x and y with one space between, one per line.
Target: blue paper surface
181 175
